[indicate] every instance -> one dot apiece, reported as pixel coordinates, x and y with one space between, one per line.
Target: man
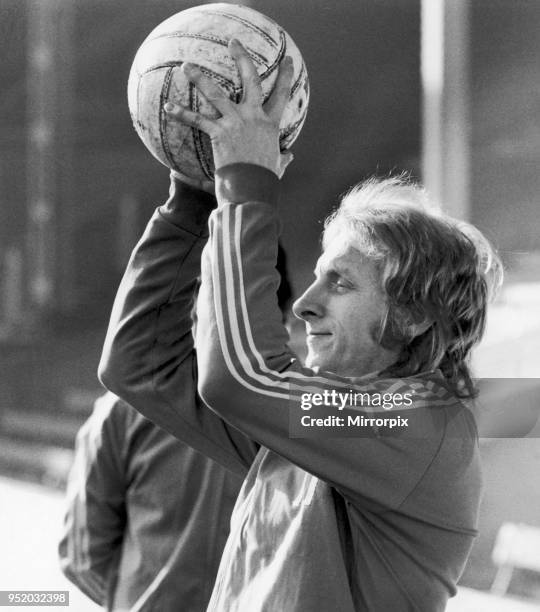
381 521
147 516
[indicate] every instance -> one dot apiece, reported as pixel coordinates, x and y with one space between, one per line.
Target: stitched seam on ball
197 134
273 66
257 57
226 83
245 22
298 81
172 64
163 98
180 34
284 134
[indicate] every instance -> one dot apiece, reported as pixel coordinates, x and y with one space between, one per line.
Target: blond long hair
438 275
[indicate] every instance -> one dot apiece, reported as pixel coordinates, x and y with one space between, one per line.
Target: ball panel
183 47
223 18
163 99
295 111
148 110
133 94
251 20
206 50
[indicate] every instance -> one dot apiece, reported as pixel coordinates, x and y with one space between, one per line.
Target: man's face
342 310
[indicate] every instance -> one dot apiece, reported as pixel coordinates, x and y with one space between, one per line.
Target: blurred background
448 90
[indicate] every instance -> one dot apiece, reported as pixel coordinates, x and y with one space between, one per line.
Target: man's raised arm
148 357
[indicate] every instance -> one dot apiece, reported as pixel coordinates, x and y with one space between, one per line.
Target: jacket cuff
241 182
188 207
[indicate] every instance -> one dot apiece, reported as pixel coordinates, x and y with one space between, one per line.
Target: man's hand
248 131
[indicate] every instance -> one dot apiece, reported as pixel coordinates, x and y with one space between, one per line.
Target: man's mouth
316 335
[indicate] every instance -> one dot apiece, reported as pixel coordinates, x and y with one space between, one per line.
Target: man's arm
96 516
148 358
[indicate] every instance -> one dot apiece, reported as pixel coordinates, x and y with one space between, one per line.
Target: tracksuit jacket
147 516
380 521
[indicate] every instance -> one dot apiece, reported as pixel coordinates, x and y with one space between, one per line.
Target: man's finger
214 94
275 105
190 118
251 82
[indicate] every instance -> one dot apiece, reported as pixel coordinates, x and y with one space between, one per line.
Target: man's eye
340 284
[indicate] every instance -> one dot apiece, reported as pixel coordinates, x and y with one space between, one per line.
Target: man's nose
309 305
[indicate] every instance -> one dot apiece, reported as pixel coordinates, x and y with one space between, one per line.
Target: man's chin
315 362
311 361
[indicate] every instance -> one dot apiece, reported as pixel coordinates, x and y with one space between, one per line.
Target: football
200 35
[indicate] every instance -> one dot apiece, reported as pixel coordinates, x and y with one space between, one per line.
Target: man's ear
417 329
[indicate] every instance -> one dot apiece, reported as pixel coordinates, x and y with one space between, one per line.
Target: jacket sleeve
243 350
95 519
148 357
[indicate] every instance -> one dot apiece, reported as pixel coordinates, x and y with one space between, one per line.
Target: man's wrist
188 207
201 184
246 182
